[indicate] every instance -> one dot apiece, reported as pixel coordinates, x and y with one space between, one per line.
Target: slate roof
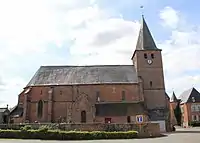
16 111
167 96
145 39
173 98
3 110
189 96
74 75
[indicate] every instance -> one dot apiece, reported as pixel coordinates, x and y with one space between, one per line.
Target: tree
178 114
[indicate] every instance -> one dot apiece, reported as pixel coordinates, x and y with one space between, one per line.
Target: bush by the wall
195 123
65 135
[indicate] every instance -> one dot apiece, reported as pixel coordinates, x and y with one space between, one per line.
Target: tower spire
145 39
173 98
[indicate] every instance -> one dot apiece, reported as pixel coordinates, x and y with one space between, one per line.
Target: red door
107 120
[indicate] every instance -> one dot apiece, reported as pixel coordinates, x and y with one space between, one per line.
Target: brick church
99 93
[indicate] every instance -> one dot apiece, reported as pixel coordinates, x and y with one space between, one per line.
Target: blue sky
60 32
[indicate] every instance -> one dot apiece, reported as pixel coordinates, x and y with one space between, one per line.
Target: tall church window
128 119
40 109
150 83
97 96
152 56
83 116
145 55
123 95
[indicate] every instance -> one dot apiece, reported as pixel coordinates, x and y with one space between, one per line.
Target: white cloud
181 58
170 17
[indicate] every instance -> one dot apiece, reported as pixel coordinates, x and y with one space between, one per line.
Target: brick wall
69 101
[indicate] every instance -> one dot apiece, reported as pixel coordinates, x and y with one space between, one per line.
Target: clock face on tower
149 62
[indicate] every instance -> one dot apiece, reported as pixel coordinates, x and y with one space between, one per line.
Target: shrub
43 128
195 123
66 135
26 128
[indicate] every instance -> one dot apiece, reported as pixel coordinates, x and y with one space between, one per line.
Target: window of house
123 95
145 55
194 117
152 56
41 92
193 108
199 108
97 96
150 83
40 109
193 99
60 92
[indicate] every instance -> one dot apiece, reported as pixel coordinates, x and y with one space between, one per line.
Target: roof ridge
83 65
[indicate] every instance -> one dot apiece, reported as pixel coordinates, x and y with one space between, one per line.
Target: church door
83 116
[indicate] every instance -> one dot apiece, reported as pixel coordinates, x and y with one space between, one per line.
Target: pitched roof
3 110
167 96
190 95
145 39
72 75
173 98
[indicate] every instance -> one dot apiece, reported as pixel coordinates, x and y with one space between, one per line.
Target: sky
35 33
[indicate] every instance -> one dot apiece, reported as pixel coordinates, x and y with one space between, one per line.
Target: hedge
65 135
195 123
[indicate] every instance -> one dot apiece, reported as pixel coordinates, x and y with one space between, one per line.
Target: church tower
147 59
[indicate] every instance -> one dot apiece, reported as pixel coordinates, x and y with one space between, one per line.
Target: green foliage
26 128
44 128
195 123
112 128
178 114
66 135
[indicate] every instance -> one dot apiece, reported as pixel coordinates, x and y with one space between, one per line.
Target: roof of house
3 110
167 96
145 39
173 98
190 95
76 75
16 111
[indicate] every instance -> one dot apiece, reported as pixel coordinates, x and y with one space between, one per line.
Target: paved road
171 138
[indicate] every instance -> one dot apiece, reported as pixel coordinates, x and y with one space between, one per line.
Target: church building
99 93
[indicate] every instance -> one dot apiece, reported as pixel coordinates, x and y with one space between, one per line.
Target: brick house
4 115
99 93
173 104
190 106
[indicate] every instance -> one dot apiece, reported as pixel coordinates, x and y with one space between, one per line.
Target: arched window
128 119
83 116
152 56
40 109
150 83
97 96
145 55
123 95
